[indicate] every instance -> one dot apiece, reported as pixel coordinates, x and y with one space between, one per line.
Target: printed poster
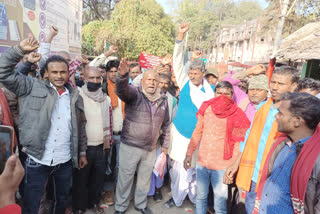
21 18
148 61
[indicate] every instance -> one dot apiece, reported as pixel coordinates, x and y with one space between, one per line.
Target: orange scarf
113 96
250 153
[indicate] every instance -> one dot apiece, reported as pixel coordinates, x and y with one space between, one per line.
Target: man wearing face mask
88 181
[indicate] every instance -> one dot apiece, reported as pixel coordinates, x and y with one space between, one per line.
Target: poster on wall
21 18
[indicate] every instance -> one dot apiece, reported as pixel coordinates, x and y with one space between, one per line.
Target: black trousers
88 182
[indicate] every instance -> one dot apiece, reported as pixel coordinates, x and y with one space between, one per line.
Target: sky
170 5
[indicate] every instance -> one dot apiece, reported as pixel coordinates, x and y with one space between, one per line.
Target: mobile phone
6 142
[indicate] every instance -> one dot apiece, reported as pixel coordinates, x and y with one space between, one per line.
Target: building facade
244 43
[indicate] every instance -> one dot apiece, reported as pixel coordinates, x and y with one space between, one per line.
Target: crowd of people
96 133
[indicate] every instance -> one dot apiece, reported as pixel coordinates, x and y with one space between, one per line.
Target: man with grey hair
194 90
146 121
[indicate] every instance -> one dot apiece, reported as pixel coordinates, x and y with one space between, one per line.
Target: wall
22 18
245 43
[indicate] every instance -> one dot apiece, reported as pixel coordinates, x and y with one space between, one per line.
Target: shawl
237 121
250 153
152 97
300 174
302 170
113 96
100 97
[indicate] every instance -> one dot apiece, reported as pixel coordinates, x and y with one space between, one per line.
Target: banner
21 18
148 61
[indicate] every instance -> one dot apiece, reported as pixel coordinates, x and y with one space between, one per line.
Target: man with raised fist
52 126
194 90
146 121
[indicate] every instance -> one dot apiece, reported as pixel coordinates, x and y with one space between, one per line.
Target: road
156 208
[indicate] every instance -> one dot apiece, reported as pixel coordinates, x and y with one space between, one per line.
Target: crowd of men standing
96 133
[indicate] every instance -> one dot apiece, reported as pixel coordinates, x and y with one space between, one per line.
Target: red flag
272 62
149 61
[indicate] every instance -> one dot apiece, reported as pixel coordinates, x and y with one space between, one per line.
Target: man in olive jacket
146 121
51 126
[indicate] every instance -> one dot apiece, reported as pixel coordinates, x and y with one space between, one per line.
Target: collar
301 141
66 92
200 86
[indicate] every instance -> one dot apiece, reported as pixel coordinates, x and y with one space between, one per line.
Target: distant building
244 43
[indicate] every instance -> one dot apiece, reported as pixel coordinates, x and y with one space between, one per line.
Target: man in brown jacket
146 121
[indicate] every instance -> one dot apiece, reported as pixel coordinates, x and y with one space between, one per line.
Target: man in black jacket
146 121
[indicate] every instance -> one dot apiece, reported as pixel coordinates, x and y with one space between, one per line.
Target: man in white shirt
194 90
51 126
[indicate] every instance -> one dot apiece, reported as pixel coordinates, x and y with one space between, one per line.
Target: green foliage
302 13
89 33
208 16
245 10
97 10
135 26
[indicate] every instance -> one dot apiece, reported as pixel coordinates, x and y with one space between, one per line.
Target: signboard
148 61
21 18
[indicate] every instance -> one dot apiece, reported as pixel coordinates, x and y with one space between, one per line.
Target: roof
302 44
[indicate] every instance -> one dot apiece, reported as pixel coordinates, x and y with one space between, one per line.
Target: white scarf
198 96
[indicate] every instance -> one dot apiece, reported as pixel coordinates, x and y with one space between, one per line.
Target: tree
134 26
277 40
97 9
309 8
208 16
89 33
301 12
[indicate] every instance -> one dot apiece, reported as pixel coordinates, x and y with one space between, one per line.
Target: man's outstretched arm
16 82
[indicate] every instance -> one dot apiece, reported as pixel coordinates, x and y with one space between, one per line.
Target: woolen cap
259 82
212 71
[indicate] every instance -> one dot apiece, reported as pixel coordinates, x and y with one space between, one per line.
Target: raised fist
34 57
53 30
184 27
85 59
167 59
256 70
113 49
196 54
28 45
123 67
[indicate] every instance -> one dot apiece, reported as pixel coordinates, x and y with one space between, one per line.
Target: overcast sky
170 5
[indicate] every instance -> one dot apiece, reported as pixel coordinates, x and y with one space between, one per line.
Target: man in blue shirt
260 136
298 116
